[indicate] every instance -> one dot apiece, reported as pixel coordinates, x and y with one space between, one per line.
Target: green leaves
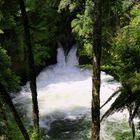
63 4
41 53
5 61
135 11
7 77
70 5
126 48
125 53
82 28
1 32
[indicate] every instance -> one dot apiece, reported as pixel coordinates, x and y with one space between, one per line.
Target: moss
125 135
86 66
14 132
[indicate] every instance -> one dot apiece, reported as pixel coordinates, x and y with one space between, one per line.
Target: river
64 97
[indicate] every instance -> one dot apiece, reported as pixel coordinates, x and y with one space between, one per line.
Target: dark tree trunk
96 71
4 94
32 74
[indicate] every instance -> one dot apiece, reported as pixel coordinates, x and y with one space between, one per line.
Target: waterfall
64 97
72 59
60 56
69 60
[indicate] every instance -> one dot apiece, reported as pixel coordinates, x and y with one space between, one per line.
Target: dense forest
107 36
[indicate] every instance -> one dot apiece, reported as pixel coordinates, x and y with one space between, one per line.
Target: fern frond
109 99
119 104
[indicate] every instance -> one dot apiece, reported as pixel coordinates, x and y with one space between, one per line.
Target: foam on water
64 92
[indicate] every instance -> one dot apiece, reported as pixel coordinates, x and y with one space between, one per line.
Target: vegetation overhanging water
64 96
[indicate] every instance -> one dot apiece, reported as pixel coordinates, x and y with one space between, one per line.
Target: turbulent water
64 97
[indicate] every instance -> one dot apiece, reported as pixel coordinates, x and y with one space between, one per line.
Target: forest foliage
71 22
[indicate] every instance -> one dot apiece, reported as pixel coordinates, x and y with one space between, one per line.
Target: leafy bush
7 77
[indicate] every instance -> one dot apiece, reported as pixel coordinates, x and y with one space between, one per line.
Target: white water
64 92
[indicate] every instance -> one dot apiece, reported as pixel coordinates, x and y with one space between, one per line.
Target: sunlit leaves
136 10
71 5
63 4
82 28
86 50
1 31
83 24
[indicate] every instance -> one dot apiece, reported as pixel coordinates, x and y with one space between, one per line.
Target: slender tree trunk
96 71
32 74
4 94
